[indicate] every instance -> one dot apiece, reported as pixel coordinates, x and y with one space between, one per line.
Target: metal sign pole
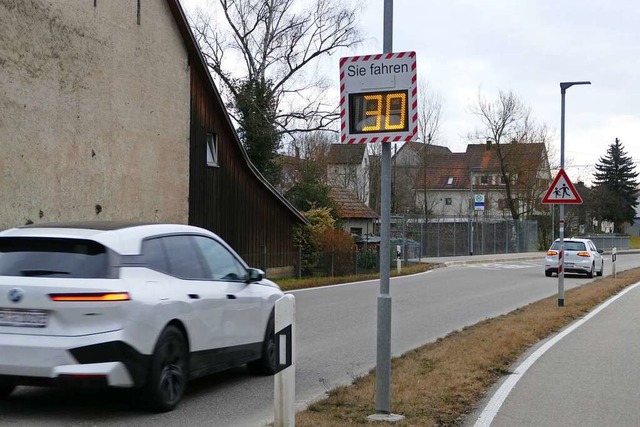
383 370
561 219
563 90
383 357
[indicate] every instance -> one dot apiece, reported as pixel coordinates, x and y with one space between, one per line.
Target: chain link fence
451 237
413 238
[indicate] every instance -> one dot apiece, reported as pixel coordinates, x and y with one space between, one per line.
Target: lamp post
563 89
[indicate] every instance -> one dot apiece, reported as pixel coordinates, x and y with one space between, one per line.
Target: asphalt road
336 339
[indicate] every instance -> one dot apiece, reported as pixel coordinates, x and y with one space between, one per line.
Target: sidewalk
487 258
524 256
586 376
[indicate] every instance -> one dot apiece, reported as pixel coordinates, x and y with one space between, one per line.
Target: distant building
445 185
348 167
356 217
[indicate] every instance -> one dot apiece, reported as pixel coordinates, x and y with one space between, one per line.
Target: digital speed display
378 98
375 112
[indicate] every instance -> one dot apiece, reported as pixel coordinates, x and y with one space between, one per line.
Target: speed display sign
378 98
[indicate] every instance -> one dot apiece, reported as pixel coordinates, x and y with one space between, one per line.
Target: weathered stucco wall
94 112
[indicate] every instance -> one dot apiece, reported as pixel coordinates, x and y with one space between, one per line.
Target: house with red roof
448 183
348 167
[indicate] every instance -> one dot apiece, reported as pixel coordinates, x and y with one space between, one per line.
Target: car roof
123 237
574 239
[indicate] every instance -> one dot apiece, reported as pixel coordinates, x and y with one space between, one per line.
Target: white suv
580 256
126 305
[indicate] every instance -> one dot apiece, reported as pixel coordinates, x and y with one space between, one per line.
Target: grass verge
440 383
314 282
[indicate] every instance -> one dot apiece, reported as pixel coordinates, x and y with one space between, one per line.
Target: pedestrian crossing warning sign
562 191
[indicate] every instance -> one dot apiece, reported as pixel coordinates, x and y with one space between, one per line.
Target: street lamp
563 89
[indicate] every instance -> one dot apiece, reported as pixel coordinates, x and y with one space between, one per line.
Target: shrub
338 248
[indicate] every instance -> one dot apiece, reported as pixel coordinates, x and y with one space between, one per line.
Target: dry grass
440 383
313 282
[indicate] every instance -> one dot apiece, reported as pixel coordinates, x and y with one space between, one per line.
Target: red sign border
575 201
383 137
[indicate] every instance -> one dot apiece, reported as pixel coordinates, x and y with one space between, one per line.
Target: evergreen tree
615 180
257 106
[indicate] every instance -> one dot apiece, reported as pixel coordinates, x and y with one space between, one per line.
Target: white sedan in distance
147 306
580 256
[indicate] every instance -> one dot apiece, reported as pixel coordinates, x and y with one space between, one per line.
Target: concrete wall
94 112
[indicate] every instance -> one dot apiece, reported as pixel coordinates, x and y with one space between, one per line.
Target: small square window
484 179
356 231
450 180
448 201
212 150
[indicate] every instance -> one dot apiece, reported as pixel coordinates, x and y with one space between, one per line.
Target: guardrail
609 241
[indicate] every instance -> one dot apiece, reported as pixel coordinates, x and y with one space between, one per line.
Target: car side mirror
600 251
256 275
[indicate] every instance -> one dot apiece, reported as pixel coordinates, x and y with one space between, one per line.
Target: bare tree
429 113
275 42
507 128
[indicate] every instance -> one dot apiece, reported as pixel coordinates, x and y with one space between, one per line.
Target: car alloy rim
172 375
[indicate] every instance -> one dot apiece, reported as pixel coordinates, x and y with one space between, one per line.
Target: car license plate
568 264
24 318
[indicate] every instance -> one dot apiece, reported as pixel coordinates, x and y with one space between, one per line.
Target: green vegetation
615 187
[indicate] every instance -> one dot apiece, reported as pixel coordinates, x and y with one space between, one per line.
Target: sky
469 47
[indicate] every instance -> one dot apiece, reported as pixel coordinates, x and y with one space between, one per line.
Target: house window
484 179
448 201
357 231
450 180
212 150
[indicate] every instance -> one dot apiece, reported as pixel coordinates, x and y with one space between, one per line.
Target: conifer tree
615 181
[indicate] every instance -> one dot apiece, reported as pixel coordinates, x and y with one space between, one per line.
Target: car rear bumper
576 268
82 361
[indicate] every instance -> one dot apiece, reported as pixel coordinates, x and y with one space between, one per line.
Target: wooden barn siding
230 200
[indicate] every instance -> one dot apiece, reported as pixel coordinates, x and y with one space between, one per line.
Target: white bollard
285 378
614 253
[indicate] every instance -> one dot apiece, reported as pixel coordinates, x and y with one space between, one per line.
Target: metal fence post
454 238
438 238
333 258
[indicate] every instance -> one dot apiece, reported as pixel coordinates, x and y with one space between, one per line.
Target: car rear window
570 246
53 257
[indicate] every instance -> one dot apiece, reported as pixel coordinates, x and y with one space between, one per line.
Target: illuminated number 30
390 103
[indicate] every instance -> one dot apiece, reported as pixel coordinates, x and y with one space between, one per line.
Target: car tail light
552 253
584 254
103 296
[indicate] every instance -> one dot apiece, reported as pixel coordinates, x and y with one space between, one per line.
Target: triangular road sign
562 191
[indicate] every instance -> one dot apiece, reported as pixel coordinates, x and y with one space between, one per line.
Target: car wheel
601 272
593 268
6 389
547 273
266 365
168 372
